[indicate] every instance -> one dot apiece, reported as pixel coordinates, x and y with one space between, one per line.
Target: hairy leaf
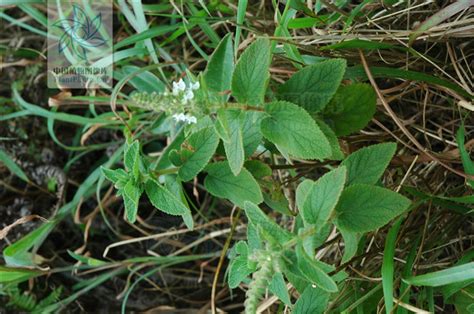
167 202
351 109
368 164
323 197
221 182
313 86
231 123
278 287
251 74
239 268
312 300
258 218
294 132
313 272
364 208
218 74
202 145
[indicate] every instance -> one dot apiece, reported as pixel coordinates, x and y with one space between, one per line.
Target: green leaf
251 75
218 74
323 197
221 182
312 300
167 202
132 158
143 81
336 152
252 137
114 175
351 108
259 219
388 264
258 169
294 132
231 122
351 244
313 86
278 287
368 164
202 144
467 163
12 166
11 274
239 268
131 196
358 72
253 238
364 208
443 277
361 44
302 192
311 270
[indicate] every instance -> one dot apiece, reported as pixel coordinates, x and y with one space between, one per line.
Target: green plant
301 121
28 302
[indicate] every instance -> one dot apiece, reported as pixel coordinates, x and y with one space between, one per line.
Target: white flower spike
188 95
179 86
185 118
195 86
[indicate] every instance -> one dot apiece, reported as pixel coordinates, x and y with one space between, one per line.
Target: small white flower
179 117
185 118
188 95
179 86
195 85
192 119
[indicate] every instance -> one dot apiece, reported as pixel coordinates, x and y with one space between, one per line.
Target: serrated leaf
132 159
258 169
293 130
312 242
351 244
238 267
258 218
131 196
203 144
253 238
313 272
218 73
364 208
302 192
351 108
251 75
252 137
114 175
313 86
323 197
336 152
167 202
173 184
221 182
312 300
368 164
231 122
278 287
